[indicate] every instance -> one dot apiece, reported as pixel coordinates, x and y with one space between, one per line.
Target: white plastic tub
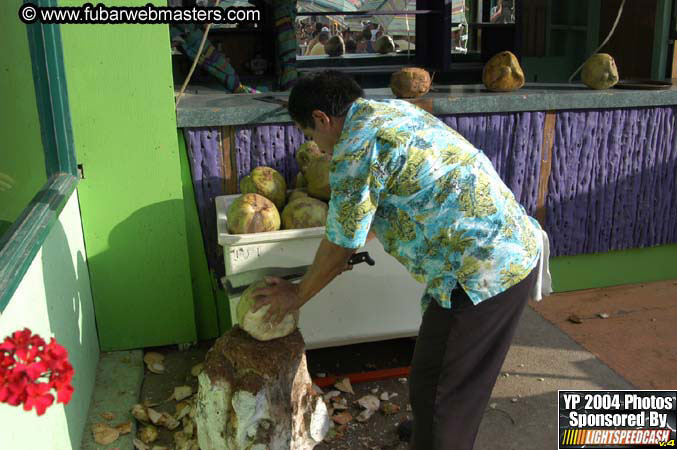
369 303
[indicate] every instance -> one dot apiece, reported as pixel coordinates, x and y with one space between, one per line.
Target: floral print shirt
434 201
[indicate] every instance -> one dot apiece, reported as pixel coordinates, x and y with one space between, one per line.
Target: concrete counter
208 107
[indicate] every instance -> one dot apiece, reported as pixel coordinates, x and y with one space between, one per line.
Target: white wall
54 300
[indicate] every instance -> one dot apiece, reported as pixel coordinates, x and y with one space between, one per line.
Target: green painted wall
642 265
122 106
206 317
54 300
22 159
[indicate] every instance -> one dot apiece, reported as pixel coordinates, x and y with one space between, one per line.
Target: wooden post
229 160
546 164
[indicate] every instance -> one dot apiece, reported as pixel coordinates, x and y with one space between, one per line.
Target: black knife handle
361 257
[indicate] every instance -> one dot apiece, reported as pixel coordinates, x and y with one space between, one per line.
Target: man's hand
281 295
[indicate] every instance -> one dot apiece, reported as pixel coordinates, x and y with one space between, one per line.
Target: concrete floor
548 353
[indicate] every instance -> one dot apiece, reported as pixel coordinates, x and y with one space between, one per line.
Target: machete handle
361 257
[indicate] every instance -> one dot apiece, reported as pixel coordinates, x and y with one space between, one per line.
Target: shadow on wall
142 281
71 320
613 184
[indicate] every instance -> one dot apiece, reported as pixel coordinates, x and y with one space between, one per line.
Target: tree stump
257 395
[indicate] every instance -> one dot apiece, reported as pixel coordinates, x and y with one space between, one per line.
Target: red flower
38 396
30 369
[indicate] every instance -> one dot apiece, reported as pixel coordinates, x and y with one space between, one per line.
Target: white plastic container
369 303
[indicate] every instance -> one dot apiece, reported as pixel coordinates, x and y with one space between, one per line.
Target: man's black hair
331 92
351 46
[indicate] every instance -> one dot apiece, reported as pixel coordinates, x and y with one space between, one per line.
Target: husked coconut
600 71
253 322
265 181
410 82
252 213
296 193
335 46
502 73
384 45
304 212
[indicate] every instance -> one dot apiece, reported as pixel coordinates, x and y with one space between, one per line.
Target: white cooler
369 303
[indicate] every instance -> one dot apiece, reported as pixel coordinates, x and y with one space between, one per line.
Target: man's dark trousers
458 356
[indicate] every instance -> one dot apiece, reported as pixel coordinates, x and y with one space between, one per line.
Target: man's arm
330 261
285 297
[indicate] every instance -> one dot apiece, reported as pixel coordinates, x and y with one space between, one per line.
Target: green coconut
265 181
304 212
296 193
300 181
600 71
317 175
306 152
252 213
253 323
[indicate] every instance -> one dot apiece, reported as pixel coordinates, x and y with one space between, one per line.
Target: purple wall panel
268 145
613 184
206 164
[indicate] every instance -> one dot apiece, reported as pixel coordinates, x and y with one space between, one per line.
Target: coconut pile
265 205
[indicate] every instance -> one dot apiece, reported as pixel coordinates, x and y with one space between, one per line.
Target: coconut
306 152
265 181
599 71
502 73
335 46
300 181
253 322
296 193
410 82
384 44
304 212
317 175
252 213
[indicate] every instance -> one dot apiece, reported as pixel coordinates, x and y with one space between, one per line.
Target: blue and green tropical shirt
433 200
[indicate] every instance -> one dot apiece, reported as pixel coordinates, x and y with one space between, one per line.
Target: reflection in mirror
362 34
502 11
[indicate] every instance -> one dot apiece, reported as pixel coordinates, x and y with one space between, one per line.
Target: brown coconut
384 45
252 213
502 73
304 212
600 71
410 82
335 46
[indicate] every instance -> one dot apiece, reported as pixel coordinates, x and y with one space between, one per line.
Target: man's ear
320 118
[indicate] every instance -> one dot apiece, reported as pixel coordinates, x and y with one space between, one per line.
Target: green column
131 198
